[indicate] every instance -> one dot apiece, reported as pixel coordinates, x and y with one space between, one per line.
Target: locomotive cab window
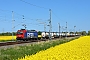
19 32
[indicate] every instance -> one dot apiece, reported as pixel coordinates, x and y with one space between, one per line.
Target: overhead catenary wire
4 10
40 7
33 4
50 24
4 14
63 28
15 15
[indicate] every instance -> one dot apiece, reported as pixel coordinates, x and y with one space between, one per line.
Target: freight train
24 34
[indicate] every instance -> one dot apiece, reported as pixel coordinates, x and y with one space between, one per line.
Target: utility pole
59 30
3 30
74 30
12 24
45 26
24 24
23 16
50 26
66 29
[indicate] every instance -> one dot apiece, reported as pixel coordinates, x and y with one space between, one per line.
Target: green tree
7 34
84 33
39 33
89 32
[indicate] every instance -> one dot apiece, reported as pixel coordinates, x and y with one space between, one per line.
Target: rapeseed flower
78 49
7 38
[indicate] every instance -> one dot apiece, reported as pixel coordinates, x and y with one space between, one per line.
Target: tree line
7 34
85 33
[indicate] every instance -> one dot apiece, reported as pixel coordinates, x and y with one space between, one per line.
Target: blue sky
74 12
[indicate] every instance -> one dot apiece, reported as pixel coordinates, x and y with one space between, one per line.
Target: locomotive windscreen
19 32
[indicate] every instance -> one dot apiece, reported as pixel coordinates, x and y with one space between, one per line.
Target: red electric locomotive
26 34
20 34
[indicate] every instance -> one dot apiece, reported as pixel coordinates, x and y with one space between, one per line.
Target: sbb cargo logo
30 34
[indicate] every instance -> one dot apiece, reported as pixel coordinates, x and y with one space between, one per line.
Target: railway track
11 43
18 42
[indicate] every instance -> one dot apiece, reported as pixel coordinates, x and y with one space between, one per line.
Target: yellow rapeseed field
78 49
7 37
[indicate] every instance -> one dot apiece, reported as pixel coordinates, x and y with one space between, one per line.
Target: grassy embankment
21 51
